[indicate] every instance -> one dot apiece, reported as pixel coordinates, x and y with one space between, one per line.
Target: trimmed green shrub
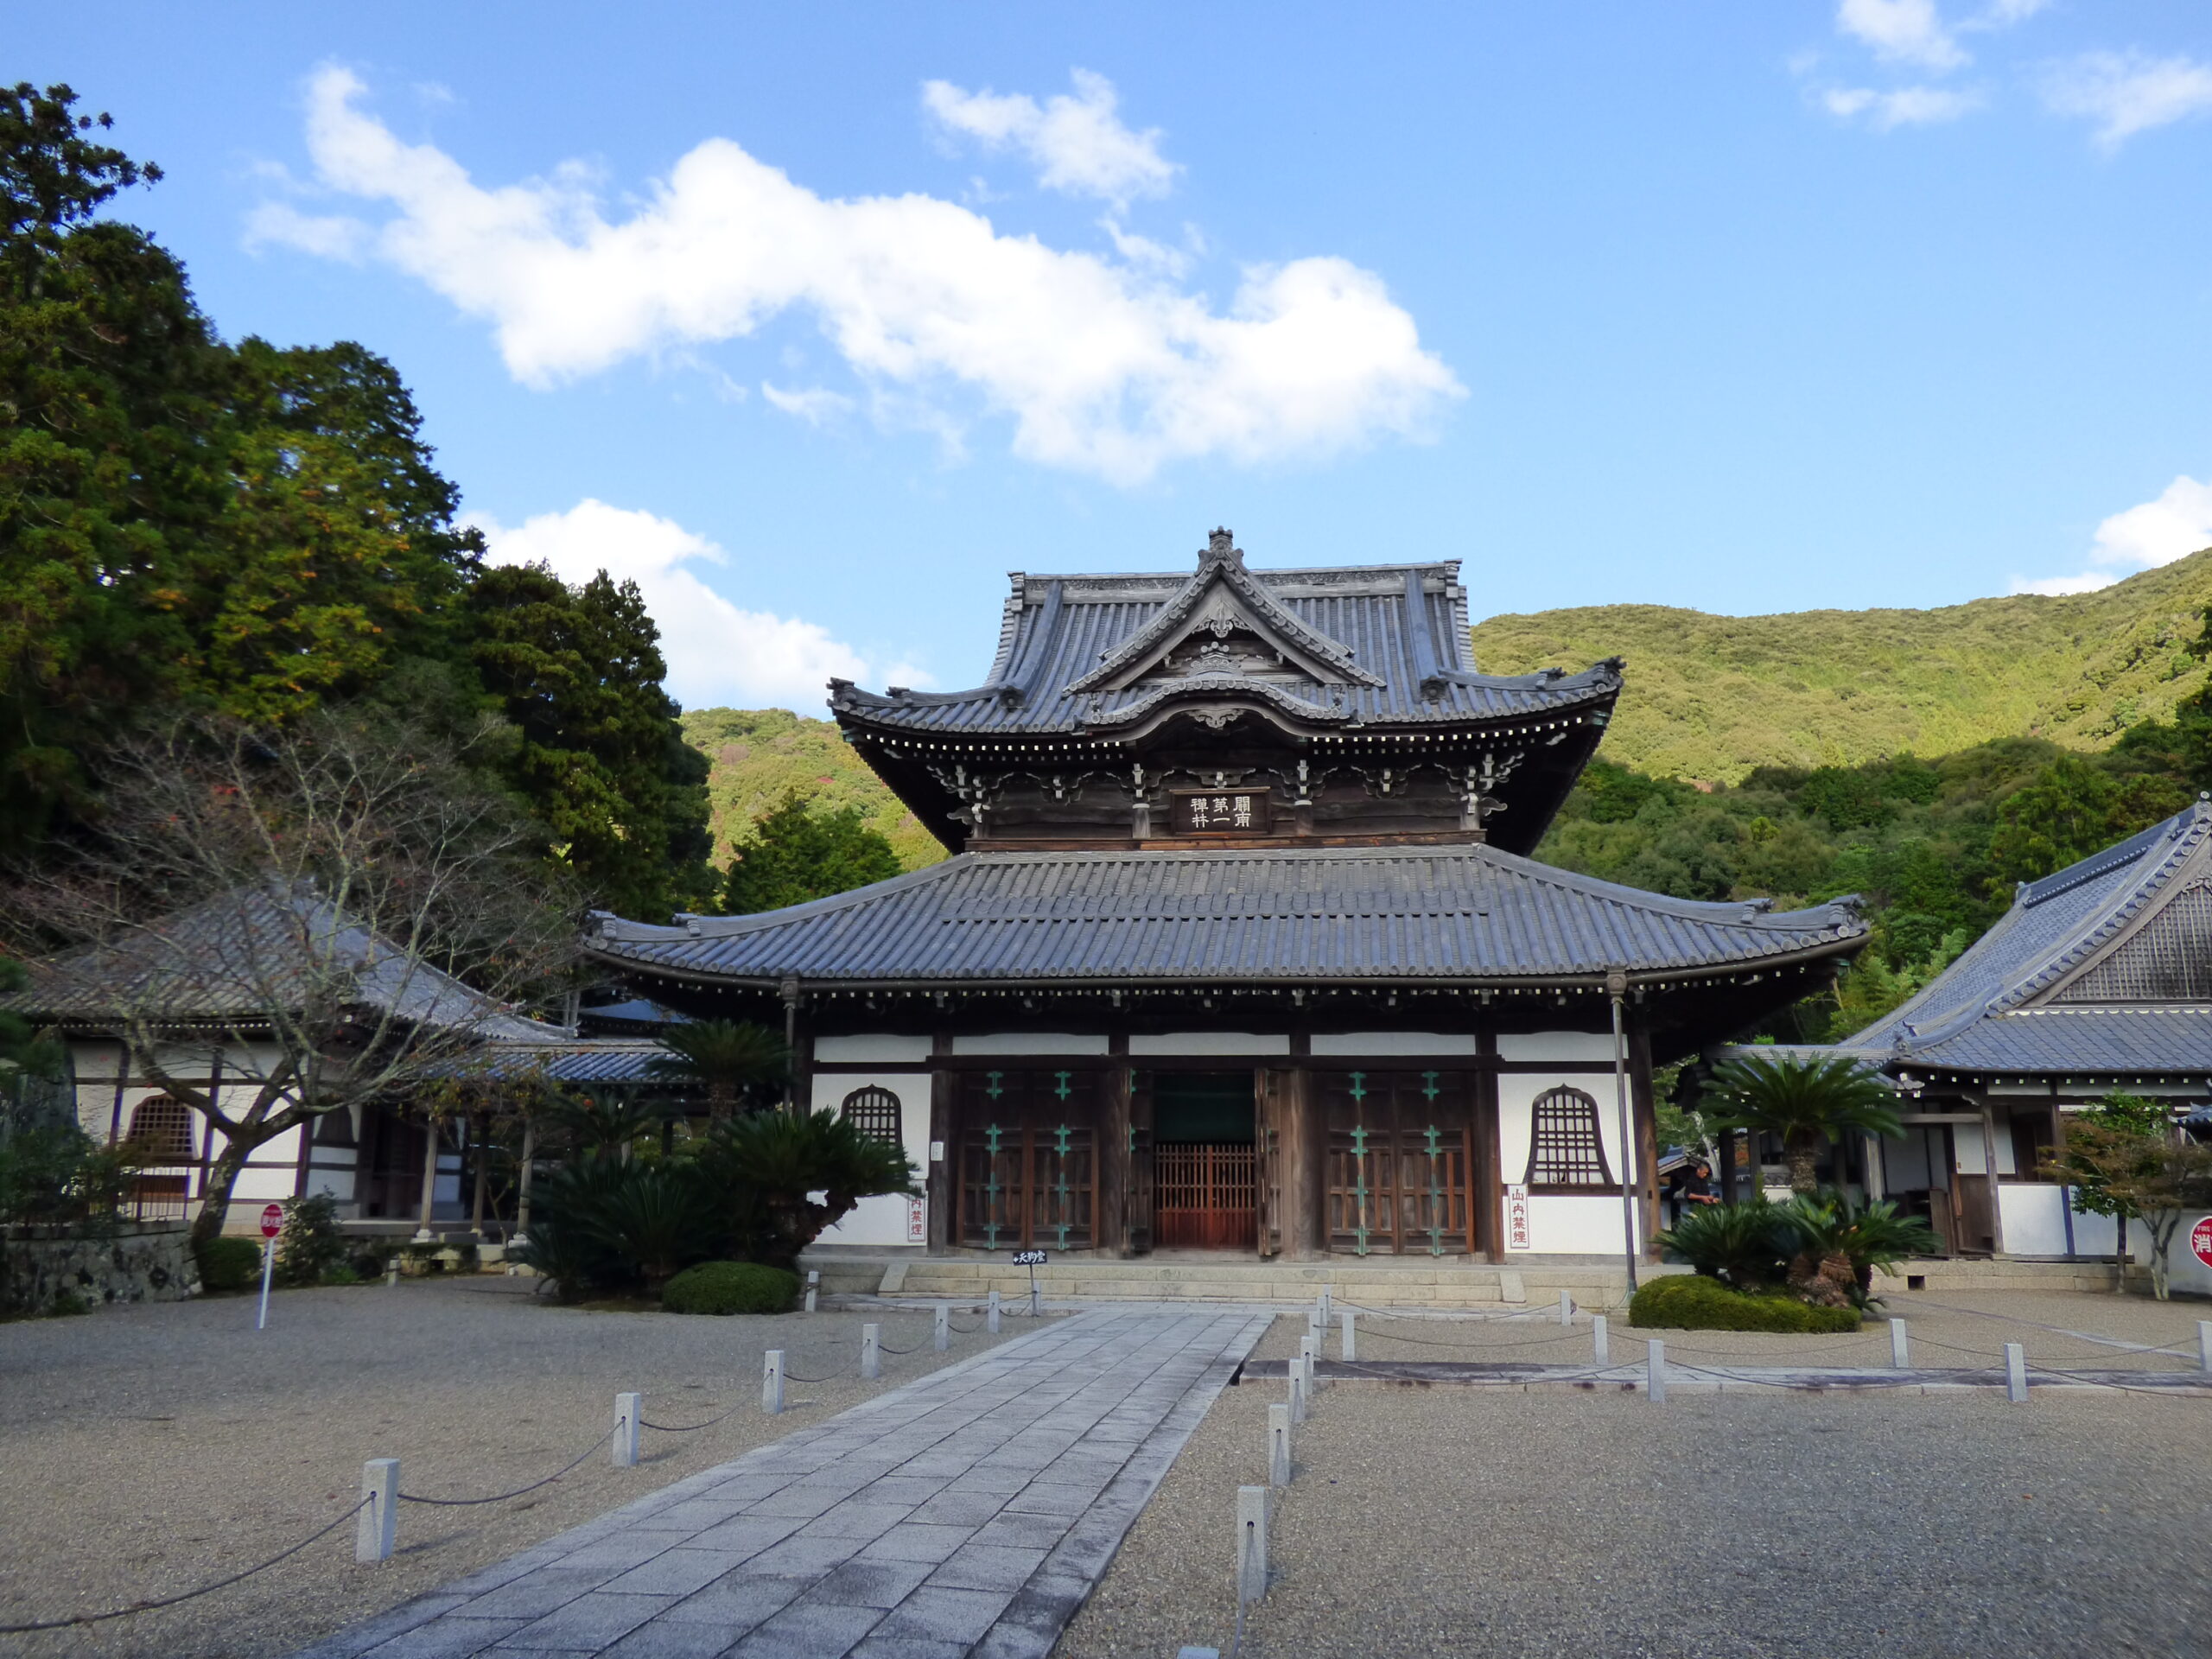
730 1288
1694 1302
228 1263
311 1244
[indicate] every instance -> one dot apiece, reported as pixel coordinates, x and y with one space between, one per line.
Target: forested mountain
1712 697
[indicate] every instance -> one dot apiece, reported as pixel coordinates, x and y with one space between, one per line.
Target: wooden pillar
1113 1183
1489 1179
798 1037
1989 1166
1644 1112
944 1086
1304 1139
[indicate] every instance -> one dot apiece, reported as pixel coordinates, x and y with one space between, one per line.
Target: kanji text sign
1221 812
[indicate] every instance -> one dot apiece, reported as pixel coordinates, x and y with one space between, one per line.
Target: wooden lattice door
1028 1161
1400 1151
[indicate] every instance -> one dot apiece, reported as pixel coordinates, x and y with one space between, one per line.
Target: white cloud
716 654
1102 366
2128 92
278 223
2054 587
2178 522
1077 144
2003 14
1908 106
814 405
1901 31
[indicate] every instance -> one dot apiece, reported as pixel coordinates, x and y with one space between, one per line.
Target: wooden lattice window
875 1112
1564 1148
161 1128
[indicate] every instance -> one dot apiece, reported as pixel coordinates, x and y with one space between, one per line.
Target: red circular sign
272 1220
2200 1240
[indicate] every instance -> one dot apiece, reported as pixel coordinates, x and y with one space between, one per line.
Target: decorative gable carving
2167 959
1226 624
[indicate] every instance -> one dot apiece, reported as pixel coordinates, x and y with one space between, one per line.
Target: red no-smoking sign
2200 1240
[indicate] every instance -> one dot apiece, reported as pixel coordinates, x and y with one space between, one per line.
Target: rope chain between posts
2125 1346
501 1497
687 1429
1468 1347
886 1348
791 1376
182 1595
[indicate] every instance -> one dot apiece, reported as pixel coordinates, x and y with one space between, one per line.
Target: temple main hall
1240 946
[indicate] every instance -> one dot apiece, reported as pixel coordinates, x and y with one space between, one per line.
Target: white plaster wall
1357 1043
1575 1226
1031 1042
1211 1042
874 1049
2188 1274
883 1220
1577 1046
2034 1214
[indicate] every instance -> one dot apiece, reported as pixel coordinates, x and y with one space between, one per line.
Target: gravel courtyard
1799 1526
146 1450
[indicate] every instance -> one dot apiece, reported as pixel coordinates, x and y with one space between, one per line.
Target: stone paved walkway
968 1513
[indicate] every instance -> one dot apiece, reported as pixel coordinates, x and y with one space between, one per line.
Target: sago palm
1800 1101
727 1056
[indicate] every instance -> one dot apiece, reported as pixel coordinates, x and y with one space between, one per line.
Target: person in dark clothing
1692 1186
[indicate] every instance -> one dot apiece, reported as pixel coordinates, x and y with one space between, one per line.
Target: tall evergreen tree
794 853
601 760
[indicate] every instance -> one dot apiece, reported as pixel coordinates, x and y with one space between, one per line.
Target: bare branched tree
277 925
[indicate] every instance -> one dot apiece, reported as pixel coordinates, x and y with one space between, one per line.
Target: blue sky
818 319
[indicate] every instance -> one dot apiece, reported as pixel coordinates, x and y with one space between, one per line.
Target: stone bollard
941 1331
1350 1349
813 1285
1297 1396
871 1351
1601 1351
1566 1307
391 1272
625 1443
1251 1544
378 1530
1324 1307
1036 1298
1278 1446
1309 1349
2204 1344
1656 1372
991 1315
2016 1373
772 1381
1900 1347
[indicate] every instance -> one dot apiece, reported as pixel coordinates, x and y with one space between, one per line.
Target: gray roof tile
1293 914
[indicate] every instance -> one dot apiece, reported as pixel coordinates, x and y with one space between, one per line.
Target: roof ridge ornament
1221 548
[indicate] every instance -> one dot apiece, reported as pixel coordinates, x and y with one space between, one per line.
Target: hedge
1694 1302
730 1288
228 1263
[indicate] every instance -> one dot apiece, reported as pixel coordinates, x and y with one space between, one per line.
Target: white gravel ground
146 1450
1801 1526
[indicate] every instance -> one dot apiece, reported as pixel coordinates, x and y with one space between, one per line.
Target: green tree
795 852
601 759
2072 809
2123 1159
1801 1103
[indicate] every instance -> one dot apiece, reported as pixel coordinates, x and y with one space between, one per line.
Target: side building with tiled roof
1240 947
2098 978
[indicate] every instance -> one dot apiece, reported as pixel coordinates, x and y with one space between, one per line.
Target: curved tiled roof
1987 1010
231 958
1307 915
1403 626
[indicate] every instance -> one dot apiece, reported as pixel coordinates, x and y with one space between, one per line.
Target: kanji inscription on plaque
1221 812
